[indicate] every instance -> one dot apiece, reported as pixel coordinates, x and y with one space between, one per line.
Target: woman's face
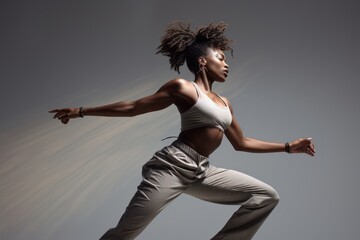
217 68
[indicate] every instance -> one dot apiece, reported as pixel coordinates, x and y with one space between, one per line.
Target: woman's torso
203 137
203 140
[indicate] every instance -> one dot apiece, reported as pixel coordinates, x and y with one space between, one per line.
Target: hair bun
211 32
178 38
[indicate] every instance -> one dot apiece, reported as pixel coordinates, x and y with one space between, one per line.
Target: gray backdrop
295 73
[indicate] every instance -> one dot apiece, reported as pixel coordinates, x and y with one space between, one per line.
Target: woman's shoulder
179 82
178 85
181 89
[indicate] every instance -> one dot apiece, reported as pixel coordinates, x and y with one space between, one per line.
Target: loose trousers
178 169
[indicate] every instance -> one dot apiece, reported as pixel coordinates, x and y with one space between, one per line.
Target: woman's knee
273 196
268 197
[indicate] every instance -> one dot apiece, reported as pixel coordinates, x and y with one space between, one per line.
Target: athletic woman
183 166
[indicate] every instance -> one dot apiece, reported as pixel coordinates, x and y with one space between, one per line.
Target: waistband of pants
188 150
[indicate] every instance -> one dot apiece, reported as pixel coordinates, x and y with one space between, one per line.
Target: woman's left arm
240 143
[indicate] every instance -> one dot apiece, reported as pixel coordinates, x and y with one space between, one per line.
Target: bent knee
268 197
273 196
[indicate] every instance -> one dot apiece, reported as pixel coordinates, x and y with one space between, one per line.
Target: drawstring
169 137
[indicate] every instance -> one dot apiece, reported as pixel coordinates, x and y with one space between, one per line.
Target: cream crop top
206 113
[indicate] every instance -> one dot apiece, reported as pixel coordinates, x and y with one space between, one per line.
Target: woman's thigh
228 187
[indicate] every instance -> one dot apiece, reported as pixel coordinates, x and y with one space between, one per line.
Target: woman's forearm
119 109
257 146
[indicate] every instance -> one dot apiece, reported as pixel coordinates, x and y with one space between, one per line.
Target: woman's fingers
304 145
310 148
54 111
61 114
310 152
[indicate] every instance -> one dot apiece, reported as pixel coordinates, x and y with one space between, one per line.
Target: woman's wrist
287 148
81 112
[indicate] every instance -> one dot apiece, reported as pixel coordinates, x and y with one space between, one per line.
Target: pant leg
256 198
165 177
158 188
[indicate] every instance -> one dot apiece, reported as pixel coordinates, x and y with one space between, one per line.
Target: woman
183 167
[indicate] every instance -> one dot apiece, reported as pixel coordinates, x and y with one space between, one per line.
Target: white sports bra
206 113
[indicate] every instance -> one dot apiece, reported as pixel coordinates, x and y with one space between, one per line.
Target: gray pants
179 169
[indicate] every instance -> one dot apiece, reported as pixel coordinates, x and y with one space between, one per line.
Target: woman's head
182 45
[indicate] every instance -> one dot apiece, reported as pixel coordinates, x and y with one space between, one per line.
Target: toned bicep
235 134
155 102
163 98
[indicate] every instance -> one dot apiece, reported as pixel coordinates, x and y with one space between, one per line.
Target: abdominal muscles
204 140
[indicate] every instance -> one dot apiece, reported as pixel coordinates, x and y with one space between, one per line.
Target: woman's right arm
163 98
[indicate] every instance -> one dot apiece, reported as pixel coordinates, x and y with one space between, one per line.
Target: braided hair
181 44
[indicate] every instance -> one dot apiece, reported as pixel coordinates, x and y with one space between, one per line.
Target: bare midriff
203 140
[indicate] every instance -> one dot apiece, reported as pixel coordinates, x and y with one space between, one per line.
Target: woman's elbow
242 145
131 110
136 108
239 147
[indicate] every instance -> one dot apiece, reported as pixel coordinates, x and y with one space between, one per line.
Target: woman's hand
65 114
302 146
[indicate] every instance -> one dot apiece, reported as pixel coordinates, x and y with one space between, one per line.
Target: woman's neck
202 81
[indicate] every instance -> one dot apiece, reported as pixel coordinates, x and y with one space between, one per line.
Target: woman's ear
202 61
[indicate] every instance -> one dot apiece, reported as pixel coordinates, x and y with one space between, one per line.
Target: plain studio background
295 73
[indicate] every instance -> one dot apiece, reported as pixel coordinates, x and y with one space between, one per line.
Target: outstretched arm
163 98
241 143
